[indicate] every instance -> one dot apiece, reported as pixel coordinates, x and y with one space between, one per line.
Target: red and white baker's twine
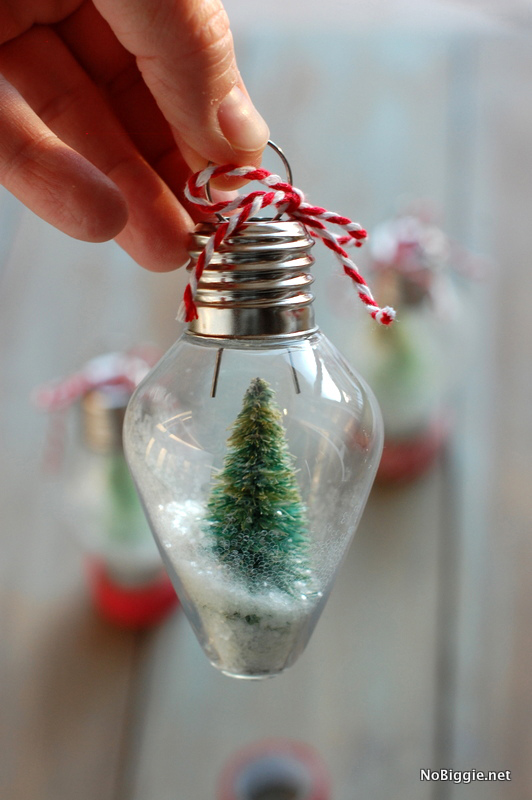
112 369
287 200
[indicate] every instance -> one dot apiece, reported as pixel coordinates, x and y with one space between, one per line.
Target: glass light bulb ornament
127 581
253 445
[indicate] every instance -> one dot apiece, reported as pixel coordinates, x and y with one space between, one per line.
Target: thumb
184 50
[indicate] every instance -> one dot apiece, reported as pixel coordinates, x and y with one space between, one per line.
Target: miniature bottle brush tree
255 512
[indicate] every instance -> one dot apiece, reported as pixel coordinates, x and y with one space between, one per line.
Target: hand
107 106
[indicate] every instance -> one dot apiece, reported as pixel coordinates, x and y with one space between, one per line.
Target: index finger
184 50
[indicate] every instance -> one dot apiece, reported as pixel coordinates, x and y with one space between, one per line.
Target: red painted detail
405 460
133 607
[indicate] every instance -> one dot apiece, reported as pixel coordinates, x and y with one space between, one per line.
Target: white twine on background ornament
124 370
287 199
111 369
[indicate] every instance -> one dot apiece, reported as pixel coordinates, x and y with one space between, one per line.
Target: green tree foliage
125 521
255 511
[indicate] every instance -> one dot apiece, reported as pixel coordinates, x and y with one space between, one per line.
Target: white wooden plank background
423 657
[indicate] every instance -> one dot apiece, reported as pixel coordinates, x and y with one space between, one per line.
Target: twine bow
287 199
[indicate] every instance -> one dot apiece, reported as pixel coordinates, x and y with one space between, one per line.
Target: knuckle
59 105
210 34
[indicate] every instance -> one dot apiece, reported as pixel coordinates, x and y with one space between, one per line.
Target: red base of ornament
275 767
133 607
404 460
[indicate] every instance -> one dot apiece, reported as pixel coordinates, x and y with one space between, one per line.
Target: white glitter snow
260 645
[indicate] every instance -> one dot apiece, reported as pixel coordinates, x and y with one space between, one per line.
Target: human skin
106 107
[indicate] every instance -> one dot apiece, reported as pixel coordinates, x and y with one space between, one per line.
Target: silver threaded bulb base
257 284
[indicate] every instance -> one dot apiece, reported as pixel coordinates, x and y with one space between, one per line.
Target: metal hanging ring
289 179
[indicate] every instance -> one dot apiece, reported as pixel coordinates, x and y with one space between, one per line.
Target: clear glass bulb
127 580
254 457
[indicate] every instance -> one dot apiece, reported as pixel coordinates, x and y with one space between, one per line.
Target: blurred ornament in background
415 366
127 580
275 769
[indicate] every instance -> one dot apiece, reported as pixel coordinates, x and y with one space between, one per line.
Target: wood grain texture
494 668
423 656
65 676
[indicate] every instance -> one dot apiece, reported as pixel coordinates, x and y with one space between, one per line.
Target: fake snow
247 632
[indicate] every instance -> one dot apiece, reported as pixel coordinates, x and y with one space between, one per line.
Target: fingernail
241 123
